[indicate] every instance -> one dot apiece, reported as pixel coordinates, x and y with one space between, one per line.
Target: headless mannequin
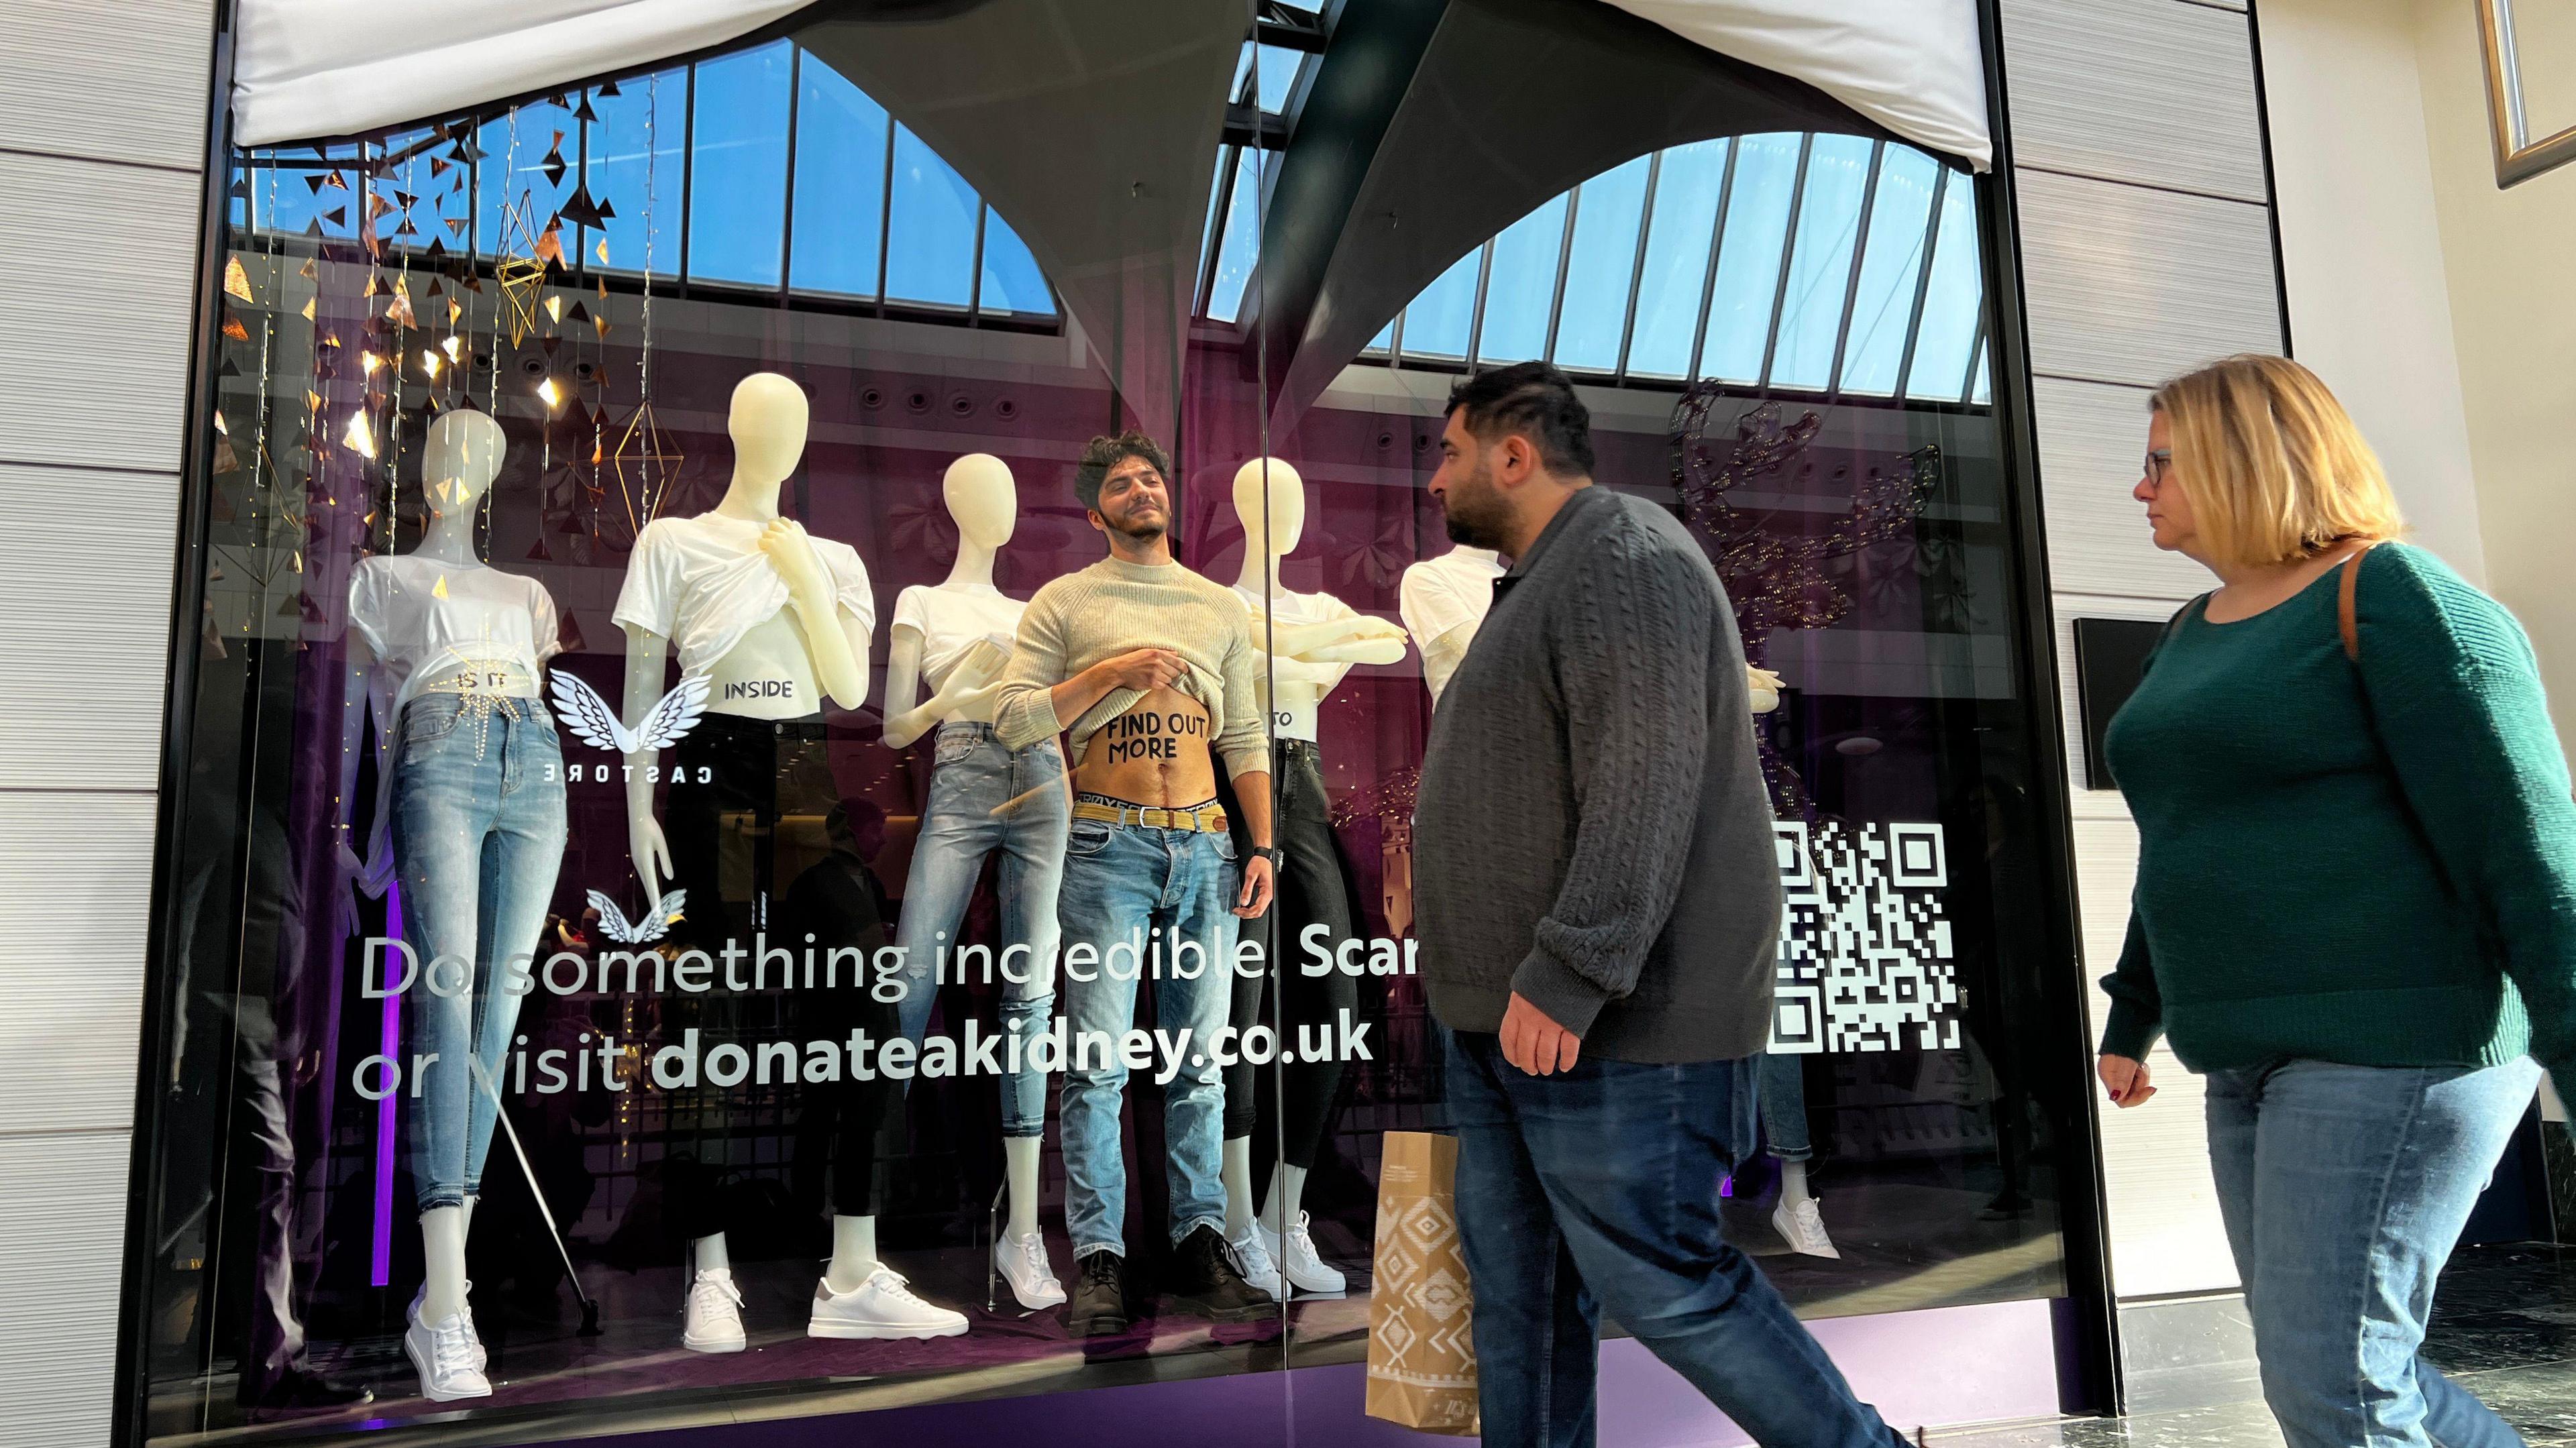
817 646
984 502
1443 639
1310 659
459 461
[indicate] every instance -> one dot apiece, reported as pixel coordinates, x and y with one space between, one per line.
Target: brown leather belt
1207 818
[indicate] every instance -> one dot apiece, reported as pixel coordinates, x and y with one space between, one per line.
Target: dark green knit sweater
2370 864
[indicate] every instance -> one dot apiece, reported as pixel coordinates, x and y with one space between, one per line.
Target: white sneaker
714 1323
446 1355
1023 1264
1295 1252
882 1306
411 1315
1803 1226
1251 1257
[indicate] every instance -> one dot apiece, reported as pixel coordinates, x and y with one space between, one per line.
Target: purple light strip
380 1263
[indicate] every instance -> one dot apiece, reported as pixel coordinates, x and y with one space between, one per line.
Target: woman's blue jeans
985 798
2344 1189
478 834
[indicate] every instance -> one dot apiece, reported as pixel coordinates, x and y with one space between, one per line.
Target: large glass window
640 903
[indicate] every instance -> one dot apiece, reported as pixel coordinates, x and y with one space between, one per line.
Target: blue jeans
983 798
1122 884
478 834
2344 1189
1596 1189
1784 1106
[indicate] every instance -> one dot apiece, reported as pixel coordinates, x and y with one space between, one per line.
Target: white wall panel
75 882
2131 285
91 553
94 312
63 1196
121 82
2149 91
2092 445
2166 1234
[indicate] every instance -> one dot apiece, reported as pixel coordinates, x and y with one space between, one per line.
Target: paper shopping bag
1421 1359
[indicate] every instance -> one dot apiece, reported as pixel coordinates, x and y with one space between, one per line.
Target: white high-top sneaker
1023 1263
1250 1254
445 1352
1295 1251
714 1321
882 1306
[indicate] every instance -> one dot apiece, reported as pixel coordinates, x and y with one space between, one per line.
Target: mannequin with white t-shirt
775 622
1309 642
985 798
1443 601
445 653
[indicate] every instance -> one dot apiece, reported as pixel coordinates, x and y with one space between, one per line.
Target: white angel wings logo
590 719
654 924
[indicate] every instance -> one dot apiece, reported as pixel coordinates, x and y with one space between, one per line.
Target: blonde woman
2356 899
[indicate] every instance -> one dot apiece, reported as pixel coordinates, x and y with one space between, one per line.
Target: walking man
1597 903
1148 668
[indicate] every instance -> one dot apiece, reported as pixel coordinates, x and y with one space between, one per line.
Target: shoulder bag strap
2347 618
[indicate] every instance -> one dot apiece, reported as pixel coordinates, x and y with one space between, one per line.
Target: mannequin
983 798
1443 601
445 652
1310 641
777 622
1783 1093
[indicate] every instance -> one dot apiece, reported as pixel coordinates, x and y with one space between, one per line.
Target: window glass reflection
1521 285
738 167
1593 314
1741 304
840 185
1811 308
1687 186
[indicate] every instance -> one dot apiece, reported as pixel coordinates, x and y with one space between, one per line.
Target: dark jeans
725 830
1597 1189
1314 889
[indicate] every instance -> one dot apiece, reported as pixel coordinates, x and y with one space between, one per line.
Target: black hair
1536 401
1103 453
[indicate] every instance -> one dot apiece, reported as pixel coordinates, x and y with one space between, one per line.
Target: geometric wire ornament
521 270
642 463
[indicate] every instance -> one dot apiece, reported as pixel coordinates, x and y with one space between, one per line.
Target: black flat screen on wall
2110 654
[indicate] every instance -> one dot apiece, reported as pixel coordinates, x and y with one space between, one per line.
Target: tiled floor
2504 1327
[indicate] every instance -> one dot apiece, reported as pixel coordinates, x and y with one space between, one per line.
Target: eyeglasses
2159 462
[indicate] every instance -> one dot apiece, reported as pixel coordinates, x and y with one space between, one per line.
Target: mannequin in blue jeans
985 797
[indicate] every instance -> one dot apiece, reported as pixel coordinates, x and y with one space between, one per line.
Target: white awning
304 69
1914 66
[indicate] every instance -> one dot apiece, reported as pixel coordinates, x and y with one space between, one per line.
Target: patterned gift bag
1421 1360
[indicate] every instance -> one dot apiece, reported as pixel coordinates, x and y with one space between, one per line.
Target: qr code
1865 960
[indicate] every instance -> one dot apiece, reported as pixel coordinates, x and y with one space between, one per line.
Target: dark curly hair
1103 453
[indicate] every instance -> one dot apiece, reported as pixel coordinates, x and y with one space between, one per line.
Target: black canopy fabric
1093 130
1501 105
1429 126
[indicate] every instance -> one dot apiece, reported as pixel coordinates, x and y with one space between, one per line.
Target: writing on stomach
1155 754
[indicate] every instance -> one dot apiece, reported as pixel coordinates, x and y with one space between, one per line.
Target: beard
1475 513
1135 530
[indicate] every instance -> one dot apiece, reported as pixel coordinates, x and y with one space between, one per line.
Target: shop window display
687 887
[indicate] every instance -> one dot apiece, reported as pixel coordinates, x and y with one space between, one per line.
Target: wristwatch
1268 852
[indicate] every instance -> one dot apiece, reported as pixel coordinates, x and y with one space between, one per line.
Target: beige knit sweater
1115 607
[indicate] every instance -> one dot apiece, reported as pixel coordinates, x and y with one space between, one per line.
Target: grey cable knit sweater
1592 830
